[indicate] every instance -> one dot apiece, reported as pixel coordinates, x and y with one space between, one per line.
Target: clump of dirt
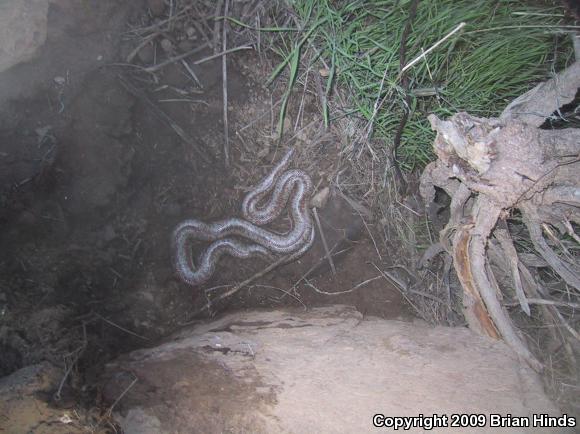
99 160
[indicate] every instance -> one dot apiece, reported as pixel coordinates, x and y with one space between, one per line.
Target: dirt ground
93 180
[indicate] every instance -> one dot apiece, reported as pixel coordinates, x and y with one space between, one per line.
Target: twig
370 234
79 351
110 410
161 23
216 26
554 303
121 328
246 282
225 87
315 266
434 46
354 288
191 72
223 53
262 115
155 68
324 243
402 184
139 47
165 118
389 278
282 290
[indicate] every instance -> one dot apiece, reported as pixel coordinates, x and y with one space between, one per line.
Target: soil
92 181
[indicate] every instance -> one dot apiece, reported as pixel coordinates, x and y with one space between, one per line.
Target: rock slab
326 370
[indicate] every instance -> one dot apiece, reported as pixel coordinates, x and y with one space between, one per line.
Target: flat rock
324 370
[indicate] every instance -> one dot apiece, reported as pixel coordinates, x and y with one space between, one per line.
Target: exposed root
492 168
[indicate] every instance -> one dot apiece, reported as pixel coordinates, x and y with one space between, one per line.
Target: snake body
282 185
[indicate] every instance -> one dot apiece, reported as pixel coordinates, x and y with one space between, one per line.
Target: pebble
191 33
320 199
167 45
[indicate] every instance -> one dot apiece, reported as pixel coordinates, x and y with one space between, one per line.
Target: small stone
166 45
320 198
191 33
157 7
61 81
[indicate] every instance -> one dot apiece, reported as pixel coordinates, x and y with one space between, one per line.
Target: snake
245 237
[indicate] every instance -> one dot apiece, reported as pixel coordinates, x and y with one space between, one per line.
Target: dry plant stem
401 183
486 216
141 45
161 65
315 266
79 351
223 53
112 407
281 290
216 26
434 46
121 328
245 283
191 72
324 243
162 23
174 59
354 288
225 87
400 287
165 118
561 303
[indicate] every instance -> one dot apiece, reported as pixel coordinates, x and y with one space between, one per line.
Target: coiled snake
294 185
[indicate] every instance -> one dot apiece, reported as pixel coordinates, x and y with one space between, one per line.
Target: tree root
490 167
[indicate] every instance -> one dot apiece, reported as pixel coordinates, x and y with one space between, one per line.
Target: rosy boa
294 184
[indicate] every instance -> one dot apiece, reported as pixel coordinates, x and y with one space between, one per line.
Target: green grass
505 48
